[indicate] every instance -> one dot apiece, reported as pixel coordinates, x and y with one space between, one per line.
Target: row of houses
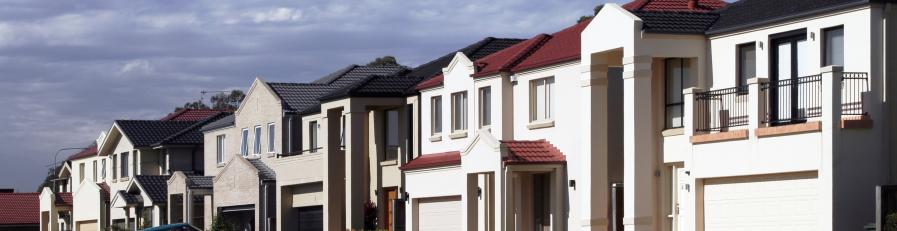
652 115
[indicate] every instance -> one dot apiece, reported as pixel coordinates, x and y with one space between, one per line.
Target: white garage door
436 214
756 203
87 225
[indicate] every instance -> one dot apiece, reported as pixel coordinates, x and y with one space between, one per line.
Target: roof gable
257 84
144 133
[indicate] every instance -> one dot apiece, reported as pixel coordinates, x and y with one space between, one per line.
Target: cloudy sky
68 68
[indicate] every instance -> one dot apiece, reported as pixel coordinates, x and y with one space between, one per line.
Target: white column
592 183
638 145
757 104
188 207
691 111
831 132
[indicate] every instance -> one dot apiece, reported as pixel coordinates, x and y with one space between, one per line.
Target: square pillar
334 170
831 132
354 169
638 145
593 182
692 112
757 103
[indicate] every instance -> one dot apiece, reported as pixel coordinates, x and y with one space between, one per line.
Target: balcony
778 107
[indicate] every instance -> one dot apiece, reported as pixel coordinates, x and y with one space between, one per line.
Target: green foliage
595 12
890 222
193 105
219 224
384 61
48 180
222 101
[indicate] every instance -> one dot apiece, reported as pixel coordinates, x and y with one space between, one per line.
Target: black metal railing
719 110
312 150
853 85
793 100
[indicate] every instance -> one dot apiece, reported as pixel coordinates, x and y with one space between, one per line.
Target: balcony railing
313 150
853 85
719 110
793 100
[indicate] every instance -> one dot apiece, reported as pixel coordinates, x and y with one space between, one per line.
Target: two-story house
56 201
754 116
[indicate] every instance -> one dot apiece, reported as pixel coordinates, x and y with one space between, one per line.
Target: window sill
856 122
458 134
271 154
672 132
388 163
123 179
220 165
436 138
540 124
719 136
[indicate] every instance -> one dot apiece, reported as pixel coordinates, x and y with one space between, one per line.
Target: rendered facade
652 115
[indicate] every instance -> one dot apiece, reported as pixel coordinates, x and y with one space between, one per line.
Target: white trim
272 132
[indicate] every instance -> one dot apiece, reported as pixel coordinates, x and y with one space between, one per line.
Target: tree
48 180
227 101
594 13
219 224
384 61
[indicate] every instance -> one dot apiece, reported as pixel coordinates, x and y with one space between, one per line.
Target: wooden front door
389 195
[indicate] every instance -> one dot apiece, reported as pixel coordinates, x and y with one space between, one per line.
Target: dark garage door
311 218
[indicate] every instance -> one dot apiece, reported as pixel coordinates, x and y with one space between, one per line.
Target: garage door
439 214
769 202
311 218
87 225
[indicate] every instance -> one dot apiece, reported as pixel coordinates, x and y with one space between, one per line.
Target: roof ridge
522 54
191 127
329 78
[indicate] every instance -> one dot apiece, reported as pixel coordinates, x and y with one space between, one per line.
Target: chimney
692 4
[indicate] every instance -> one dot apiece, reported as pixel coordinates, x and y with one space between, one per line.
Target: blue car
174 227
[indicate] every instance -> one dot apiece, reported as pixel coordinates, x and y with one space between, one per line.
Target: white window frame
103 170
271 137
95 170
124 157
220 147
547 88
342 134
81 168
436 115
392 150
459 111
313 136
244 142
485 106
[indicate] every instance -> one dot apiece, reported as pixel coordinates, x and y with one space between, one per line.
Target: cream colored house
750 121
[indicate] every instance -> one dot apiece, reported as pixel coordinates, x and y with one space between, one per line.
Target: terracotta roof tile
91 151
64 198
506 59
430 83
19 208
433 160
532 152
104 191
674 5
562 46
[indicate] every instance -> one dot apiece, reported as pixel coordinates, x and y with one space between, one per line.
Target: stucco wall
210 150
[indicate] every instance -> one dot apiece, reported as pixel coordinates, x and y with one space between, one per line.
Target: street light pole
55 164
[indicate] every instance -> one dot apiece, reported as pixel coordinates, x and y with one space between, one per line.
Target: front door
389 195
541 201
789 61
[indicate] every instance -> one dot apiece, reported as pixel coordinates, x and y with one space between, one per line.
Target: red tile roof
64 198
433 160
506 59
91 151
430 83
104 191
532 152
674 5
19 208
191 114
562 46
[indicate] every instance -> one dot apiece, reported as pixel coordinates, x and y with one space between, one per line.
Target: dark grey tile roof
199 182
154 186
473 51
265 172
191 135
130 198
222 122
144 133
751 13
375 86
303 98
676 22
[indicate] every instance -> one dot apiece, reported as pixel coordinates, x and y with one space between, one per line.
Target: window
313 136
436 110
342 132
244 143
103 169
392 135
541 106
459 111
833 43
114 166
257 143
94 170
219 150
485 106
676 72
271 138
81 168
163 162
124 164
747 63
